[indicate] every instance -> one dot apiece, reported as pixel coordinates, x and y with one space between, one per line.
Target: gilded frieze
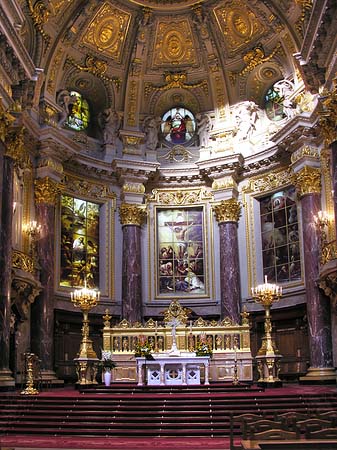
132 103
238 24
80 187
107 31
174 44
180 197
175 80
269 182
54 71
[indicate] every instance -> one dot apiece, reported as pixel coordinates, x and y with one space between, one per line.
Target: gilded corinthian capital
130 214
46 191
308 181
227 211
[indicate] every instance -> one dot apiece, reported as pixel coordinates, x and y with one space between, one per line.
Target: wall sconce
322 221
32 229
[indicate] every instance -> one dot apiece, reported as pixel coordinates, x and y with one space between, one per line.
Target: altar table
166 370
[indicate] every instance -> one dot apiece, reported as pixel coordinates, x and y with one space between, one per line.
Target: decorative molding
328 115
175 80
305 151
97 67
86 188
269 181
23 262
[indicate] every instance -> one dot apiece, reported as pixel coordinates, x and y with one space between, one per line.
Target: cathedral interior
157 151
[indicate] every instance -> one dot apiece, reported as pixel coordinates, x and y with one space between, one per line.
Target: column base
319 375
49 378
7 382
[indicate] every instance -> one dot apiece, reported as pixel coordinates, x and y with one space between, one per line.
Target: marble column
318 306
131 217
227 214
6 378
334 177
42 314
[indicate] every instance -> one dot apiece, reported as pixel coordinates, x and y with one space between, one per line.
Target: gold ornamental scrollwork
6 120
176 312
254 58
107 31
132 214
97 67
175 80
46 191
174 44
15 146
227 211
180 197
302 152
269 182
23 262
308 181
40 14
328 115
136 188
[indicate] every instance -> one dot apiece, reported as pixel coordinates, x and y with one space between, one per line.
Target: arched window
178 125
274 105
78 112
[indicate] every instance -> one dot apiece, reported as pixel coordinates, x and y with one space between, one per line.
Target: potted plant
107 364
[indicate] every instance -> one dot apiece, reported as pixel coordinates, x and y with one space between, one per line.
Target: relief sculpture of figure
285 89
109 122
204 127
151 129
246 117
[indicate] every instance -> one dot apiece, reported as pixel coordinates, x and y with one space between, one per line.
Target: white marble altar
168 370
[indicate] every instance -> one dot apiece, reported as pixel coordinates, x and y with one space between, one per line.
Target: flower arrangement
143 347
106 362
203 348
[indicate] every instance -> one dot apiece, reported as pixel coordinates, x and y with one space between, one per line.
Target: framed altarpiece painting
180 249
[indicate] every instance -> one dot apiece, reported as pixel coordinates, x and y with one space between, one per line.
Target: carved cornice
227 211
132 214
47 191
308 181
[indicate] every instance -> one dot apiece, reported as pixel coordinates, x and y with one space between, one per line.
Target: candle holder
33 230
87 360
31 359
268 355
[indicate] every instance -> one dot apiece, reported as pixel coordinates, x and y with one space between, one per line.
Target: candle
156 326
190 326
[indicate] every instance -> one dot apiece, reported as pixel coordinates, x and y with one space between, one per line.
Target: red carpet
15 439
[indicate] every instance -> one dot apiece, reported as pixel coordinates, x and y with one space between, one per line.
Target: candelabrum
266 294
322 222
85 299
33 230
31 359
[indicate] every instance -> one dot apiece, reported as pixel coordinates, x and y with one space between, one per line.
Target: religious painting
79 243
78 111
178 126
180 251
280 236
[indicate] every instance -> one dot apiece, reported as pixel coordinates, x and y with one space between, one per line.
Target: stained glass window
178 125
79 114
273 105
280 236
79 242
181 251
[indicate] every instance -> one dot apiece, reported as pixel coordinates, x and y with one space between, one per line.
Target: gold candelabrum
85 299
268 356
31 359
33 230
322 222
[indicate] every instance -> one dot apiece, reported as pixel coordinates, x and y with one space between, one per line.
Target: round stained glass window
178 126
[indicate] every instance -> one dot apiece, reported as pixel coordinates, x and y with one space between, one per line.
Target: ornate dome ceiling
121 52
